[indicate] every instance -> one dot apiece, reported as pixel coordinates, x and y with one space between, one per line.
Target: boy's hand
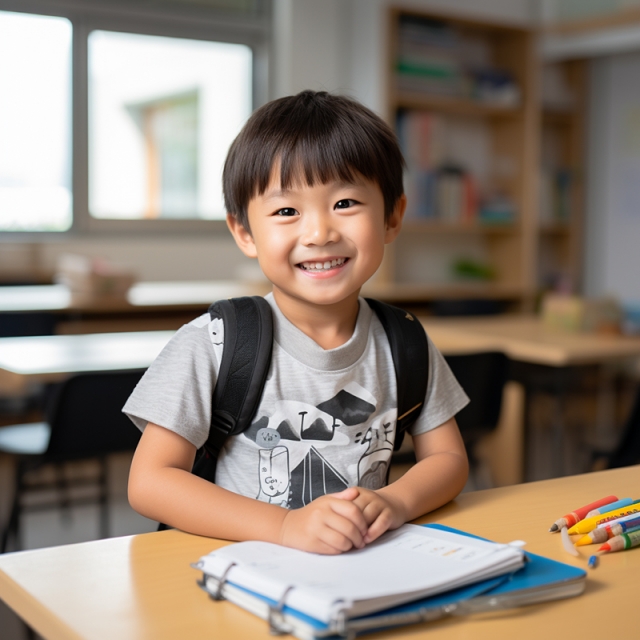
380 512
330 524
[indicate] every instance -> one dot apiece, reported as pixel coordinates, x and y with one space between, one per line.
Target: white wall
612 261
336 45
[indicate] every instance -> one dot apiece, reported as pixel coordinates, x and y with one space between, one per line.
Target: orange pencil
622 542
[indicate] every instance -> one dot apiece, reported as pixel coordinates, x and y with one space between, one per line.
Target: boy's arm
161 487
438 476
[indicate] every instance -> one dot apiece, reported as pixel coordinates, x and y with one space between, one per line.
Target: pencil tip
554 527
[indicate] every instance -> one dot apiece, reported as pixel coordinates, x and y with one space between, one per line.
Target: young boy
313 190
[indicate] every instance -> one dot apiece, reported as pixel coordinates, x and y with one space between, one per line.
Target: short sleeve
445 397
175 392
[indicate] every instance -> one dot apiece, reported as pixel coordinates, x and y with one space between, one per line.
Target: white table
52 358
143 296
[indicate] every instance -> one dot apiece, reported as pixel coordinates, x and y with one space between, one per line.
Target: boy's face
318 245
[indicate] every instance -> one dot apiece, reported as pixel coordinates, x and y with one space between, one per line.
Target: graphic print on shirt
294 470
372 468
274 475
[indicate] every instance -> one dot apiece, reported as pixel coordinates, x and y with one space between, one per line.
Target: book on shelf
412 574
428 59
440 187
433 57
556 194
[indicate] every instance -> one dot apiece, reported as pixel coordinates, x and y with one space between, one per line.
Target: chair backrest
482 376
86 416
627 452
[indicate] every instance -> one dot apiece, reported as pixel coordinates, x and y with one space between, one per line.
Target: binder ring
277 625
217 595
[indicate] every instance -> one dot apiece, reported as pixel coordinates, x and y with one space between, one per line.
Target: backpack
248 339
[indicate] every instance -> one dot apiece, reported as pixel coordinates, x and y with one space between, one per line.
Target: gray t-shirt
326 420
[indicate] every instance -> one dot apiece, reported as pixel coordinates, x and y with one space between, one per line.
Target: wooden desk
140 587
524 338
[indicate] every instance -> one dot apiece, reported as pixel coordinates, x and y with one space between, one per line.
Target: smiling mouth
325 265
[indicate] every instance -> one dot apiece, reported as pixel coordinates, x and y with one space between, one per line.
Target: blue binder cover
541 579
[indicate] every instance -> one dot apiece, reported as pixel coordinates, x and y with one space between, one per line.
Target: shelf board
460 228
416 292
461 106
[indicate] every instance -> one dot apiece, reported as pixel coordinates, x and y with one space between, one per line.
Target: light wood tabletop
143 587
525 338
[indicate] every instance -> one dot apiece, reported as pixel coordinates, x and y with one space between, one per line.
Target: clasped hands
338 522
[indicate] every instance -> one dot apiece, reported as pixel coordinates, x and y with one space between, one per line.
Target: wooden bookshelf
504 121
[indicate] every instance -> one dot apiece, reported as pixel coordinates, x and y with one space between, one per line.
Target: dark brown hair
315 136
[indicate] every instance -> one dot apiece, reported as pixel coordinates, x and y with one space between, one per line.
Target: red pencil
575 516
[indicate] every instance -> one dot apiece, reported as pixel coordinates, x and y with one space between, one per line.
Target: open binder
461 574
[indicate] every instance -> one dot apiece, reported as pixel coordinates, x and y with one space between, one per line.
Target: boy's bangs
318 160
312 163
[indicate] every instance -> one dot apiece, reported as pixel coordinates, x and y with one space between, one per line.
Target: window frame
178 21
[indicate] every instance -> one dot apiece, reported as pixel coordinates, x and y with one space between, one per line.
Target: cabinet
463 99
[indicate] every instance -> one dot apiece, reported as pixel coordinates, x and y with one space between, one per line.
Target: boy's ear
394 223
243 238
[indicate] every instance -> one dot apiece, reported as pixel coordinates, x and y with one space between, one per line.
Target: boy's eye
287 211
345 203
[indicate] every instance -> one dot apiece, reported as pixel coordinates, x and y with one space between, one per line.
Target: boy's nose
319 229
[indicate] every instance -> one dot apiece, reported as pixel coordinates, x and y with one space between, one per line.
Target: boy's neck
330 326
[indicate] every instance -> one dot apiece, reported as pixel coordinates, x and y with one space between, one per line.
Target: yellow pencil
589 524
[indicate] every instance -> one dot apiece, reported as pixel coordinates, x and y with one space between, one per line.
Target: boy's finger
371 512
352 513
378 527
350 493
342 533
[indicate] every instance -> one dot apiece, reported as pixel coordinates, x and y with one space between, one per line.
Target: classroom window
117 117
162 114
35 122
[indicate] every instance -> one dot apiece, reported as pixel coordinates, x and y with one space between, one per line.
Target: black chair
627 452
84 422
483 377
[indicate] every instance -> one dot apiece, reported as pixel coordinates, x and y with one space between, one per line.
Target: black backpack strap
410 352
246 356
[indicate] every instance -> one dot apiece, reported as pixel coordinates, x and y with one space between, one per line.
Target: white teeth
322 266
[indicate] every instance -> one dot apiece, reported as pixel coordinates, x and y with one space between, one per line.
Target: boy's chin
320 299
